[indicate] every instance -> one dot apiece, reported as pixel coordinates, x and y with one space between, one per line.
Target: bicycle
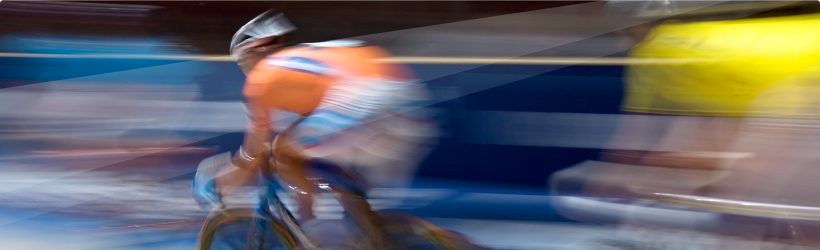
273 218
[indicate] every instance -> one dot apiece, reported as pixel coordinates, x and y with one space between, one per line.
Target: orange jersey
295 80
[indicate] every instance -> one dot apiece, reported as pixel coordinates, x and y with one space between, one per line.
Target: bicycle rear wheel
233 229
413 232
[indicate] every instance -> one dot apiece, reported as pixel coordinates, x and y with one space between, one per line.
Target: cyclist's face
249 61
256 51
252 58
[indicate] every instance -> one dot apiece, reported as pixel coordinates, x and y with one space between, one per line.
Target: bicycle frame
330 178
269 198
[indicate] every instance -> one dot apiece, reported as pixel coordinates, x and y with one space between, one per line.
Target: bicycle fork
282 213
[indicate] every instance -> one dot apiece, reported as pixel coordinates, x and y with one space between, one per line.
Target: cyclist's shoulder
297 59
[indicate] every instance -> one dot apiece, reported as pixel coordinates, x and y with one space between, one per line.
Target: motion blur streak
702 135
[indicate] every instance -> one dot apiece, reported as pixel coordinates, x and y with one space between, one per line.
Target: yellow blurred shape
736 63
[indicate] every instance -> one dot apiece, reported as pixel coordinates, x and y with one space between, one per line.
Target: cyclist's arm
254 153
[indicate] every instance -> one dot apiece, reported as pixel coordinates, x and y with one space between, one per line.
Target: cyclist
356 110
737 103
719 73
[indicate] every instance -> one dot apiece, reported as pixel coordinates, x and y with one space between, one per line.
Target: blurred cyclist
356 112
711 76
733 102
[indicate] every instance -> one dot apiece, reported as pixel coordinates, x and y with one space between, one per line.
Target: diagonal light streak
500 81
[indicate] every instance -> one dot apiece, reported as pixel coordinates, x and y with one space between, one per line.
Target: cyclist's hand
205 195
203 187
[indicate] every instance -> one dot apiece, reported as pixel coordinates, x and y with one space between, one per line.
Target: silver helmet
262 30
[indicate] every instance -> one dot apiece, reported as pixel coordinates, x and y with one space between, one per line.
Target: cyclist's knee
287 153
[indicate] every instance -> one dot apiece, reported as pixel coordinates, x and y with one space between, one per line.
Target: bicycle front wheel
239 228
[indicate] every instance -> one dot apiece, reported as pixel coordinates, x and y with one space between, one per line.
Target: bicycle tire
218 218
435 237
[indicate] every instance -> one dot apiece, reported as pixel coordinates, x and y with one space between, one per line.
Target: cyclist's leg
390 155
337 150
289 165
636 134
691 150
